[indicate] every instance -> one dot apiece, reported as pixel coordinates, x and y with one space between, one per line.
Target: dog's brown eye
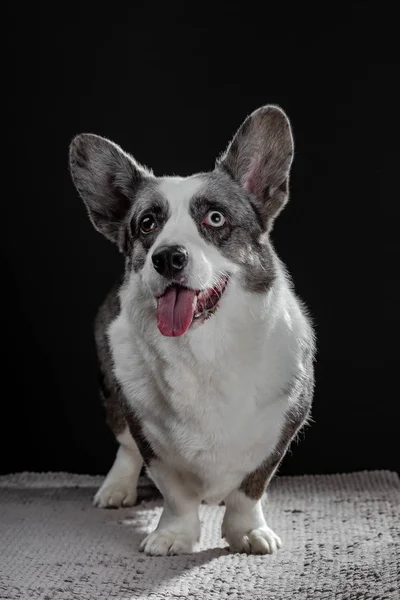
148 224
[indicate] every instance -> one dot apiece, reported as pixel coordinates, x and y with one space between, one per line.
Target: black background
171 83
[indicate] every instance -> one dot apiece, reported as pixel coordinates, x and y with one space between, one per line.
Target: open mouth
180 306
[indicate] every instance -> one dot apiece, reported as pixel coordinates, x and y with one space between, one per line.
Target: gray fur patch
108 311
242 239
149 202
119 415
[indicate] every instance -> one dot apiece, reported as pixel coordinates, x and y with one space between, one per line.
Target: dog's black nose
169 260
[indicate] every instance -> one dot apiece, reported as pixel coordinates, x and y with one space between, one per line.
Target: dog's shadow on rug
133 525
176 566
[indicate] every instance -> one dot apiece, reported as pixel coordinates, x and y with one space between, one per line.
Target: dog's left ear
259 159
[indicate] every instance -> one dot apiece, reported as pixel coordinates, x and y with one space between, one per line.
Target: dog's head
189 238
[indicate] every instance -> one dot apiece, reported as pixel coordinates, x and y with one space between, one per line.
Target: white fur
245 528
212 403
119 487
179 526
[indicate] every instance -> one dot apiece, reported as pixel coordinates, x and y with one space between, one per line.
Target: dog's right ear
107 179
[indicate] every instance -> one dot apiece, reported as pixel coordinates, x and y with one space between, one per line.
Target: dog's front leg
244 526
179 527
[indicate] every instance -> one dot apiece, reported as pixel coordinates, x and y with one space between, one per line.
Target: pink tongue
175 311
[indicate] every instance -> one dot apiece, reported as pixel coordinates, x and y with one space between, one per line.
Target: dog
206 353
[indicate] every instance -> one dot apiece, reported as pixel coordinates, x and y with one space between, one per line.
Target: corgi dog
206 354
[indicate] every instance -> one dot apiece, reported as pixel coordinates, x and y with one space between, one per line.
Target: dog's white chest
221 425
215 419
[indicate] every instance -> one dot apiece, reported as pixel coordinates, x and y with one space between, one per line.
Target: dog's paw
164 542
117 493
257 541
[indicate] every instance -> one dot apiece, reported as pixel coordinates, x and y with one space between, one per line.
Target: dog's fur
211 412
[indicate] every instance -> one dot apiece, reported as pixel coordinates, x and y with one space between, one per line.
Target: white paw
117 493
257 541
164 542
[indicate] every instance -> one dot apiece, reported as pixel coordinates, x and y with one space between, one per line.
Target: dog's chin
180 308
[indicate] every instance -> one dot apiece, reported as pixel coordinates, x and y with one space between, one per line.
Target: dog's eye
148 224
214 219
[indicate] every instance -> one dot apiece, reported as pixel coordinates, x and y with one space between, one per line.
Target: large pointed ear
259 159
107 179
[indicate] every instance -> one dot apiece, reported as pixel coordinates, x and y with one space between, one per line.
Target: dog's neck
242 321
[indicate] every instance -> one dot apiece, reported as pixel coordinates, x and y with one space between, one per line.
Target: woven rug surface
341 536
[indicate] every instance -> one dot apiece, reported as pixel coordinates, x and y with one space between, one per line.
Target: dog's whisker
252 314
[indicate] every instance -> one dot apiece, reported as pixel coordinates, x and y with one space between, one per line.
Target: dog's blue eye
214 219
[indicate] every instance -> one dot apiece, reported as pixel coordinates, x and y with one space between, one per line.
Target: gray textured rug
341 538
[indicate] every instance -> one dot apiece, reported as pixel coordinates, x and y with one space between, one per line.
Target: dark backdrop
171 83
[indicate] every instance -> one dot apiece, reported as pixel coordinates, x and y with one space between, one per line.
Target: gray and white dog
205 351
